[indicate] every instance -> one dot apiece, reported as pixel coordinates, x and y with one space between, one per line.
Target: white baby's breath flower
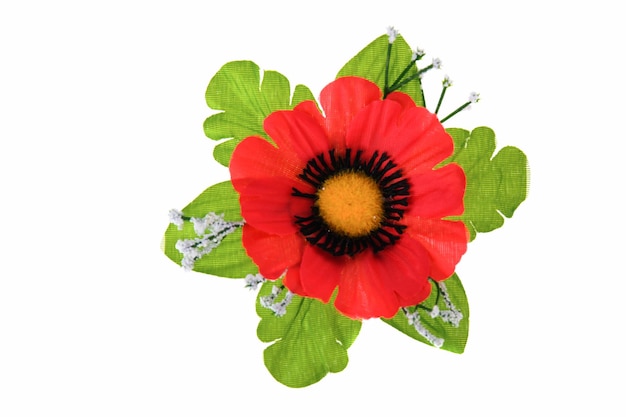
417 54
392 33
200 224
253 281
176 218
414 320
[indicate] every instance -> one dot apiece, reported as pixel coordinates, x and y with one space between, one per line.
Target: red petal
412 135
342 100
309 107
271 253
364 291
406 266
320 272
403 99
292 281
256 158
297 132
266 205
445 241
424 143
437 193
375 127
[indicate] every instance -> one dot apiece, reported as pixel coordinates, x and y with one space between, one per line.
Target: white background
101 111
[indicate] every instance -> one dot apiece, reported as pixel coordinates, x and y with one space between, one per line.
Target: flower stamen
357 203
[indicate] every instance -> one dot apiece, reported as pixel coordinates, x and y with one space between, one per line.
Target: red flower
351 200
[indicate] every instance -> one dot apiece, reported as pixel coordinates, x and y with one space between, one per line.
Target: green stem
418 74
438 292
455 112
387 71
408 67
424 308
443 93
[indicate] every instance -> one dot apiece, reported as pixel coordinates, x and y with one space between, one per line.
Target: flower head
437 63
349 201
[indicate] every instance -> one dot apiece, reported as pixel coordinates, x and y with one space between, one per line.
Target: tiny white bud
392 33
436 63
474 97
447 82
417 54
434 312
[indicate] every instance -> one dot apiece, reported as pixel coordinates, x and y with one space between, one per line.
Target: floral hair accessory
356 206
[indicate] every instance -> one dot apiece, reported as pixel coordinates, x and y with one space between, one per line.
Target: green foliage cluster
312 339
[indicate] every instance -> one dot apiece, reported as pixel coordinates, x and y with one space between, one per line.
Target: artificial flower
352 201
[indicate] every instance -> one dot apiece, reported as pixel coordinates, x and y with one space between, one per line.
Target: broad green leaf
310 340
246 101
370 64
496 185
229 259
455 338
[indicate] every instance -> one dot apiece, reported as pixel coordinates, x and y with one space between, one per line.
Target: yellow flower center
351 204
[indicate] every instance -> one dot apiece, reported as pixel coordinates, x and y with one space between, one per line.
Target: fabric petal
363 290
445 241
273 254
374 127
297 132
266 205
320 272
342 100
256 158
425 142
406 266
412 136
437 193
405 101
309 107
292 281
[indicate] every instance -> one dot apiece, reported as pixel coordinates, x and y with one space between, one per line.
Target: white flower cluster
474 97
253 281
414 320
176 218
453 315
436 63
447 82
211 229
279 308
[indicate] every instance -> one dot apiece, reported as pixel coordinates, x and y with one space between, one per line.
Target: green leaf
455 338
310 340
246 101
229 259
496 185
370 64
